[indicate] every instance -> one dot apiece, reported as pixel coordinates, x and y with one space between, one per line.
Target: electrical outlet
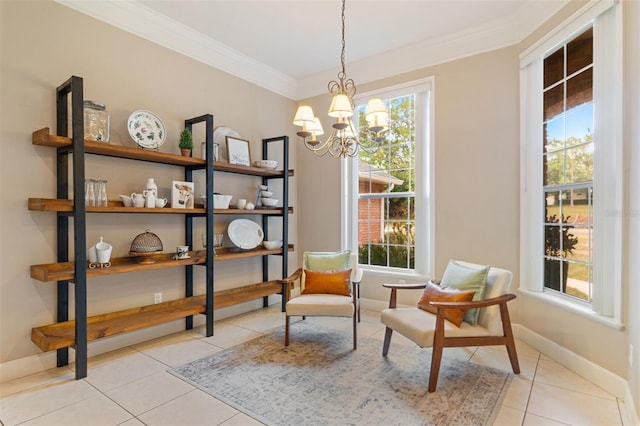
630 355
157 298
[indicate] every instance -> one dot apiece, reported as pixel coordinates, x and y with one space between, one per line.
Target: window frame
606 18
424 194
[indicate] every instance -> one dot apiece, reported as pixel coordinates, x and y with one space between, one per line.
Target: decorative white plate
220 134
245 233
146 129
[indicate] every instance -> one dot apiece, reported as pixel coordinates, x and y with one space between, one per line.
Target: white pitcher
138 200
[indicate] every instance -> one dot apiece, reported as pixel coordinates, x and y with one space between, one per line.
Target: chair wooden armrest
477 304
291 278
289 282
395 287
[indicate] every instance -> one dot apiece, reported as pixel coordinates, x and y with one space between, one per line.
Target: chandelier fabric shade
340 106
343 141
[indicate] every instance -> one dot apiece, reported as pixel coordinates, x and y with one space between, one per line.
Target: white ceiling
293 46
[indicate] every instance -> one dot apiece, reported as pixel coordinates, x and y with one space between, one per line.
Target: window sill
574 308
395 274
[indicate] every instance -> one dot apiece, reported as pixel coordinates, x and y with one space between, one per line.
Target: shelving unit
65 333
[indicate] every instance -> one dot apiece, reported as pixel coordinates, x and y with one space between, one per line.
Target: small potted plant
186 142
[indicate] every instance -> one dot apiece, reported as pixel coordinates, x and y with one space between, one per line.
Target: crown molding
475 40
142 21
133 17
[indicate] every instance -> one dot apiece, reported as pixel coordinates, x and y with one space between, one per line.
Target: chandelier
343 140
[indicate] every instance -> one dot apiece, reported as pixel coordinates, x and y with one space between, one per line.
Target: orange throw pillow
327 282
435 293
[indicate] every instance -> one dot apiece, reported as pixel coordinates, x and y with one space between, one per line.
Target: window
567 167
388 188
571 199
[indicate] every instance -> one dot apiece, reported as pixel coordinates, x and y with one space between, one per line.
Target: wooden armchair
301 302
428 330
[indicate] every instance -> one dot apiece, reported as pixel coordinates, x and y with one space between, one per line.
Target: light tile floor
131 386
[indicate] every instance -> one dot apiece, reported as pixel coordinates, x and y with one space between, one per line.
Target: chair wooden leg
286 331
436 355
355 332
387 341
508 334
513 357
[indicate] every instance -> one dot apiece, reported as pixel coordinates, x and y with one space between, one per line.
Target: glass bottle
89 192
101 194
96 122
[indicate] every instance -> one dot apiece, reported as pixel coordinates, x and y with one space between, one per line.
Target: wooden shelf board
43 137
62 334
60 271
57 205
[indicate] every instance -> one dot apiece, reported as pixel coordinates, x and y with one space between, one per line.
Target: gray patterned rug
320 380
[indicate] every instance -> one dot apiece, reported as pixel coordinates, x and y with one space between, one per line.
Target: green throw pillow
327 261
466 278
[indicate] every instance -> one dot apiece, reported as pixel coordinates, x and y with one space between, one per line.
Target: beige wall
477 169
43 44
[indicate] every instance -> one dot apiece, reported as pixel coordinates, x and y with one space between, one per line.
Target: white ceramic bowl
272 244
219 201
269 202
263 187
266 164
266 194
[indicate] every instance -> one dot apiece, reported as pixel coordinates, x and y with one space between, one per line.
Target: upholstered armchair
329 285
467 308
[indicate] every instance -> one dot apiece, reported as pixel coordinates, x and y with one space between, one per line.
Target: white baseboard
612 383
597 375
632 413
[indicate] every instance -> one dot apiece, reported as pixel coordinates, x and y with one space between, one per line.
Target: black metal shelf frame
74 88
74 120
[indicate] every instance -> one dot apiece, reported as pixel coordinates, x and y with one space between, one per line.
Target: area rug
320 380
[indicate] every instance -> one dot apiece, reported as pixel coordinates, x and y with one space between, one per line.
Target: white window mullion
531 202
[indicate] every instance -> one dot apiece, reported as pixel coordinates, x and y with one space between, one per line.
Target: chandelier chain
343 41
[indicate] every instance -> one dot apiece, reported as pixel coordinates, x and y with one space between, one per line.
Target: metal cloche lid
146 242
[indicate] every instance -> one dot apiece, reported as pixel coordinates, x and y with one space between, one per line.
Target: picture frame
238 151
182 195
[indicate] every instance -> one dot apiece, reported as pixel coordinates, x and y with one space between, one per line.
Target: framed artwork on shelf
238 151
182 195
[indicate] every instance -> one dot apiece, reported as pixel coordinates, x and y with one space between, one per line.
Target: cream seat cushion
419 326
332 305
